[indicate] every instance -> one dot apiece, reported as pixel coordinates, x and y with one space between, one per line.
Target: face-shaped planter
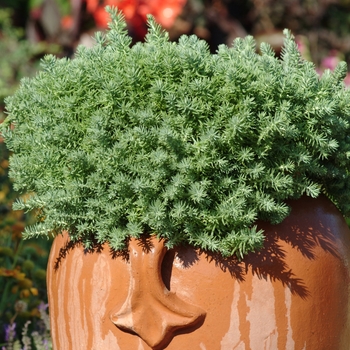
293 294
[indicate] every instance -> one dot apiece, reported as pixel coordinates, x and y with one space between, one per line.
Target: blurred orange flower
67 22
34 291
15 273
25 293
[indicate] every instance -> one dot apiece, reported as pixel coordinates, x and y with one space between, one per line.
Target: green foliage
165 138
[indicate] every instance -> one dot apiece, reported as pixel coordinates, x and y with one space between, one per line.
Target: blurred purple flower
44 315
330 62
42 307
10 332
46 344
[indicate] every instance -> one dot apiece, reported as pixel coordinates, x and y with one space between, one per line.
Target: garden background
29 29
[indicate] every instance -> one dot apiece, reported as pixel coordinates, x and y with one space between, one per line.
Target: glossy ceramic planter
293 294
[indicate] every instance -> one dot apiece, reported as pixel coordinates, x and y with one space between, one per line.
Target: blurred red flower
164 11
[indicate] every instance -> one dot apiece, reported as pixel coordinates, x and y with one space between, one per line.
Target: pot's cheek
240 315
269 311
293 294
82 295
226 301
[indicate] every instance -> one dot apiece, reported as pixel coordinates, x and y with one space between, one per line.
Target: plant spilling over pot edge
168 139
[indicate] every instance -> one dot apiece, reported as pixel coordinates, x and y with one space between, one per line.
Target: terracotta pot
293 294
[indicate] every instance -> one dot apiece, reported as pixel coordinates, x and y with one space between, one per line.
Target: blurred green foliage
22 263
19 58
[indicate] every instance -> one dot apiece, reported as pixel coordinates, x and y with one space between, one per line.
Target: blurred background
29 29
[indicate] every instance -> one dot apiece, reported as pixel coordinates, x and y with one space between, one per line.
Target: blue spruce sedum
168 139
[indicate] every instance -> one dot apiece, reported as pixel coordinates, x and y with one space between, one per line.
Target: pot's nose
150 310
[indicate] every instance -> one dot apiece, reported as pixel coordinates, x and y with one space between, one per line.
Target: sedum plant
167 139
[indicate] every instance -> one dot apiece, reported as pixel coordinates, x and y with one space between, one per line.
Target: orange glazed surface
293 294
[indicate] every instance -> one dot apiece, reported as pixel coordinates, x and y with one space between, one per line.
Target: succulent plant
167 139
